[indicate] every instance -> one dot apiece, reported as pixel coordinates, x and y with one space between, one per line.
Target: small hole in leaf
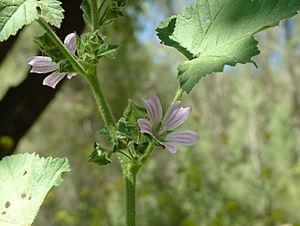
29 197
23 196
3 213
7 204
25 172
39 10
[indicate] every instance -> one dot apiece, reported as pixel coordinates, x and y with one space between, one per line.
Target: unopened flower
163 128
43 64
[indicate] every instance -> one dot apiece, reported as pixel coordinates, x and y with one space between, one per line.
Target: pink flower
43 64
162 128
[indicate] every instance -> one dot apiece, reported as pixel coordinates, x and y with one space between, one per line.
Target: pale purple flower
43 64
162 128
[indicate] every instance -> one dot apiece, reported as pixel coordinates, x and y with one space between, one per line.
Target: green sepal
107 11
115 10
87 11
92 47
128 131
48 47
127 125
100 155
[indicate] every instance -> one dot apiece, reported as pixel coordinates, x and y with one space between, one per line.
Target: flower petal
70 42
170 147
145 126
53 79
42 64
175 116
154 110
185 137
71 75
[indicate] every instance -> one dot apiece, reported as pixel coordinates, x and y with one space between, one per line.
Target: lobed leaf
25 181
14 14
215 33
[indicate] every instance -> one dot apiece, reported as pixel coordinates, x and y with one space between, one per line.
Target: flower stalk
178 95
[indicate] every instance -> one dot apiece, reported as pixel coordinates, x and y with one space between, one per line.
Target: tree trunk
22 105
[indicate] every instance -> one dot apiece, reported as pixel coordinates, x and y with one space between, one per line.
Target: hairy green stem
95 14
69 56
178 95
130 189
102 105
130 170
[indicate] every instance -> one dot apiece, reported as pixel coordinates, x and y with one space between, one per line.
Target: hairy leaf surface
25 181
14 14
214 33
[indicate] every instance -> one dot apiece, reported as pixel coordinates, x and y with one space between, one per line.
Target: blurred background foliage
245 169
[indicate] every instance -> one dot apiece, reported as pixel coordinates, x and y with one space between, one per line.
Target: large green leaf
14 14
214 33
25 181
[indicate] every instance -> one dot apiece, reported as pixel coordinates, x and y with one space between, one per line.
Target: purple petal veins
42 64
70 42
154 110
53 79
185 137
175 116
170 147
145 126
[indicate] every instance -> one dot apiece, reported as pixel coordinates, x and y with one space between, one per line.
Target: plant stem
69 56
178 95
130 173
102 105
95 15
130 187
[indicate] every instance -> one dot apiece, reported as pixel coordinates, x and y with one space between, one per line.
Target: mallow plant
209 33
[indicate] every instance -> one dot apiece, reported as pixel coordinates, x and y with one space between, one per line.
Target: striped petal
145 126
70 42
53 79
185 137
175 116
170 147
42 64
154 110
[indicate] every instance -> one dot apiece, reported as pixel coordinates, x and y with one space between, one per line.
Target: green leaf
51 11
215 33
100 155
14 14
25 181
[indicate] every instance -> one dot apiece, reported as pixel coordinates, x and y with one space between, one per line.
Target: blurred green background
245 169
